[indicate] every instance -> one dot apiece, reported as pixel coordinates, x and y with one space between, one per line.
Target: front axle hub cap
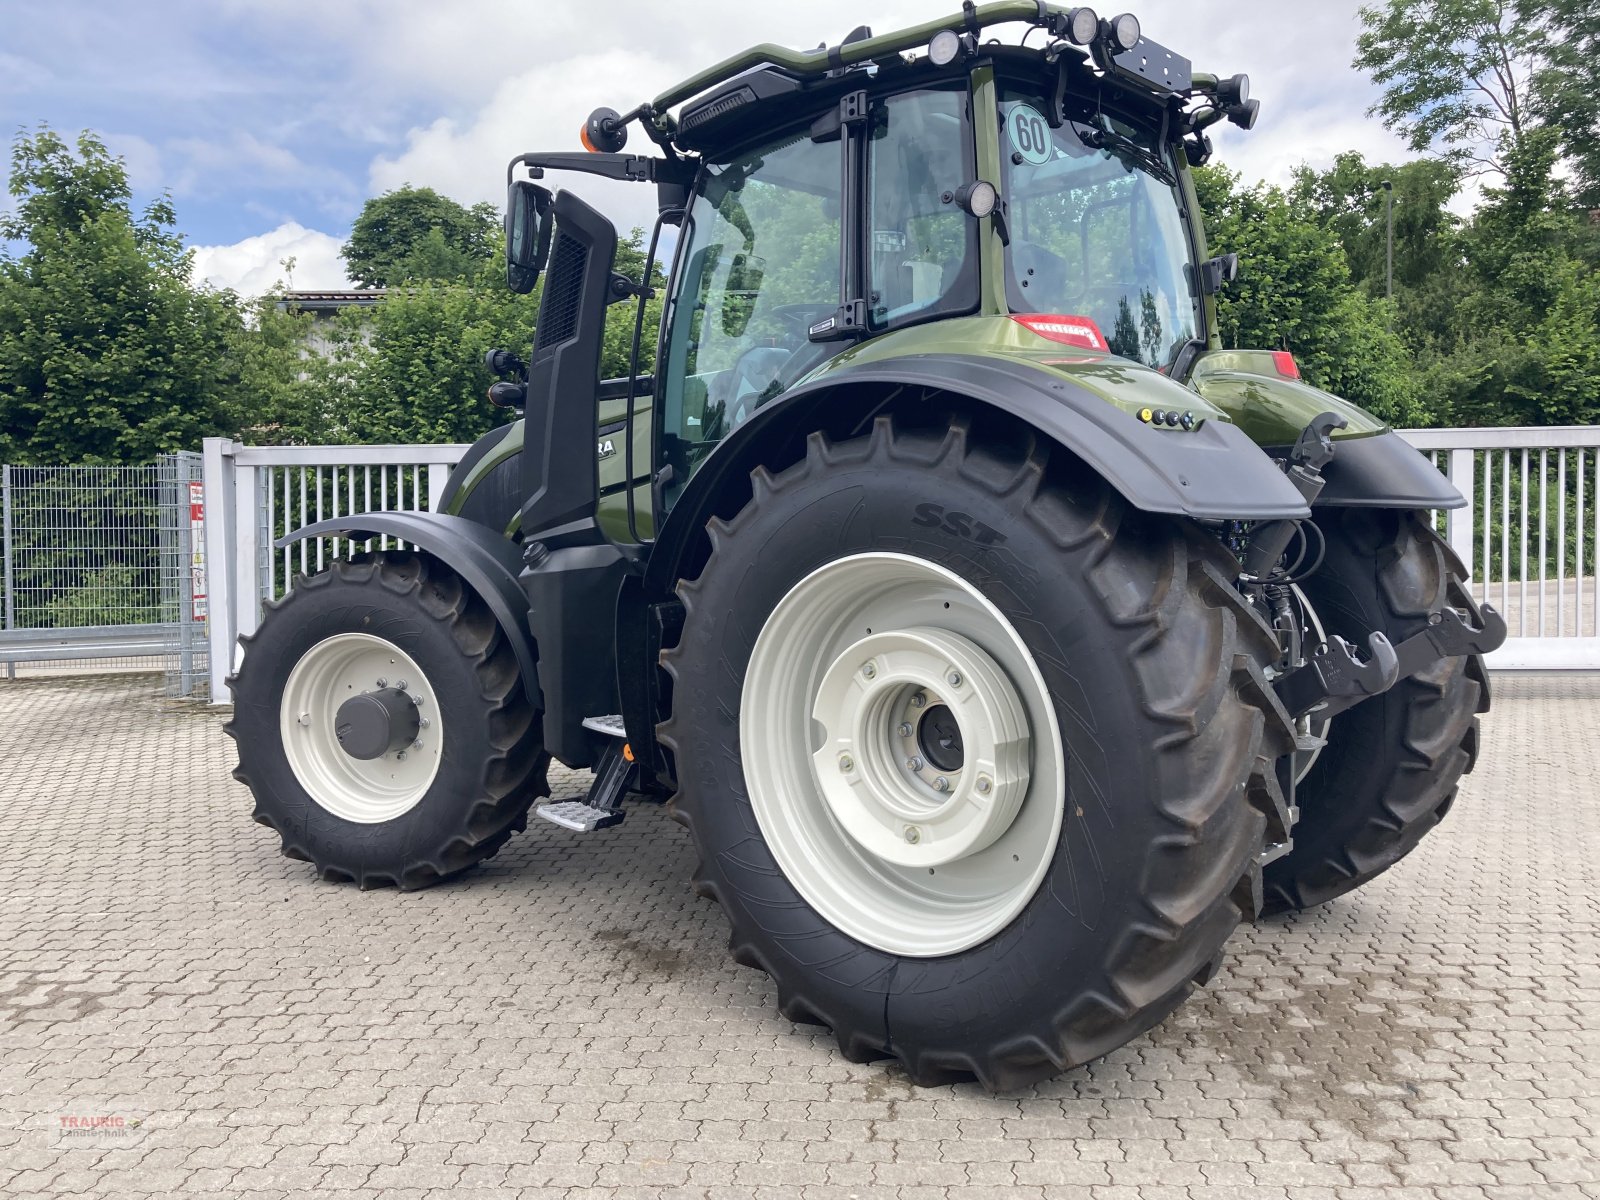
350 738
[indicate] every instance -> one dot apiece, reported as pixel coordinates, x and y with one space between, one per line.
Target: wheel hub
905 808
361 727
901 754
377 723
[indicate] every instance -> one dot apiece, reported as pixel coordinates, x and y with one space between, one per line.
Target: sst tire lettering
957 524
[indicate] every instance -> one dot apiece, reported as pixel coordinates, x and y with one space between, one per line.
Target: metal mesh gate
100 566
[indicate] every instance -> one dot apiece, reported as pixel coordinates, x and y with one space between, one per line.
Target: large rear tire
1392 765
424 810
1117 646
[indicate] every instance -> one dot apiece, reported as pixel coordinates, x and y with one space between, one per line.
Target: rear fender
486 562
1214 472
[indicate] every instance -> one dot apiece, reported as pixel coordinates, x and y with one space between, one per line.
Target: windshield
1095 229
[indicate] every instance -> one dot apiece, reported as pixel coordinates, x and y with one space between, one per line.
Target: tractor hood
1129 386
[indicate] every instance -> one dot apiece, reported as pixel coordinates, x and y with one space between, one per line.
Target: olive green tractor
1001 638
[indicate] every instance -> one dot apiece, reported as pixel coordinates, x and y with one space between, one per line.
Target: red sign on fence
197 547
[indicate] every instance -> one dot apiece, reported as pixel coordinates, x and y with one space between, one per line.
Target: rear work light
1068 330
1283 362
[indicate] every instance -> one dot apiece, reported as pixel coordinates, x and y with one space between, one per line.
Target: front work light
1123 32
1233 90
944 48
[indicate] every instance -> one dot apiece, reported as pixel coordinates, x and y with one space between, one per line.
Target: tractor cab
1007 199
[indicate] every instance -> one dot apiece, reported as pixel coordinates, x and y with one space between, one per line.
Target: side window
922 251
760 265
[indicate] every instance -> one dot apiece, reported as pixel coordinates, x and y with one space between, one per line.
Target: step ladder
614 776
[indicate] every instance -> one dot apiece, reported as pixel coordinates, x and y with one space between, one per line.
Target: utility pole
1388 191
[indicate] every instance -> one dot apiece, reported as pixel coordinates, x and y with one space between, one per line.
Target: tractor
1001 638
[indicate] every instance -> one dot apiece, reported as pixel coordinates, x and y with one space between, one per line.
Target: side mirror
527 234
1217 271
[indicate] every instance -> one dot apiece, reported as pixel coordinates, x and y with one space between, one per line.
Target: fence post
217 473
1461 522
438 476
5 518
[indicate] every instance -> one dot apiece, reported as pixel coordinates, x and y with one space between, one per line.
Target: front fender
1214 472
485 560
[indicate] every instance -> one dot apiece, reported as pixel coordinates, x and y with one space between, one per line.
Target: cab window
921 249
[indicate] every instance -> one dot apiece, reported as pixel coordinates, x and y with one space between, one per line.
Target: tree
1564 92
107 354
416 235
1456 75
1294 293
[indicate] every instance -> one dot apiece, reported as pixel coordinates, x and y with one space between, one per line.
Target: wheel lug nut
382 682
918 700
914 764
401 685
422 722
913 834
985 785
870 670
305 718
953 679
846 763
905 729
401 755
941 784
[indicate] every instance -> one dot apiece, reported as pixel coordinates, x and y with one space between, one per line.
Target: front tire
421 811
1392 765
1150 737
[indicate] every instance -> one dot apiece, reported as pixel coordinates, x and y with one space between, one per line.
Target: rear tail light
1068 330
1283 362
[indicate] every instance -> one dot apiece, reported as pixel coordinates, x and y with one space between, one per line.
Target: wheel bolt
953 679
305 718
914 764
905 729
422 722
417 745
846 763
913 834
985 785
401 755
941 784
401 685
918 700
382 682
870 670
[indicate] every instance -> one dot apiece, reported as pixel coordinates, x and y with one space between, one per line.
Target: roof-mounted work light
1122 33
1080 27
948 45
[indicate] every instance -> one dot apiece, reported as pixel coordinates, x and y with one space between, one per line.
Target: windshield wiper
1129 151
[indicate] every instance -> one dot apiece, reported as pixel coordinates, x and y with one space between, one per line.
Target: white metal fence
257 494
1530 534
1528 537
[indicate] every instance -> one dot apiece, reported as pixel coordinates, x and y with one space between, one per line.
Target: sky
271 121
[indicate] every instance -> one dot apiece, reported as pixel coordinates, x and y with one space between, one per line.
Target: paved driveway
184 1012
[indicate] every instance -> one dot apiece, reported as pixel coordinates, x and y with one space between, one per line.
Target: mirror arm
628 168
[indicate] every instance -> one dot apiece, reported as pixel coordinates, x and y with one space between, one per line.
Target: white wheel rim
366 791
858 819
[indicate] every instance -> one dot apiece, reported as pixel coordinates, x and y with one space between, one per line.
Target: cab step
613 776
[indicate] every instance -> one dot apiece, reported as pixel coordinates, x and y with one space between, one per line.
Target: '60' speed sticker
1030 136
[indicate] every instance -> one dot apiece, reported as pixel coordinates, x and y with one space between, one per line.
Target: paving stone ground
183 1012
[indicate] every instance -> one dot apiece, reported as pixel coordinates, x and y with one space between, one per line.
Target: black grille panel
563 289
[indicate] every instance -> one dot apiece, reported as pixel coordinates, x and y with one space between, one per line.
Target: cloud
254 265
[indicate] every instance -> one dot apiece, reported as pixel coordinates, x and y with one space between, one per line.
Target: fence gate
99 564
